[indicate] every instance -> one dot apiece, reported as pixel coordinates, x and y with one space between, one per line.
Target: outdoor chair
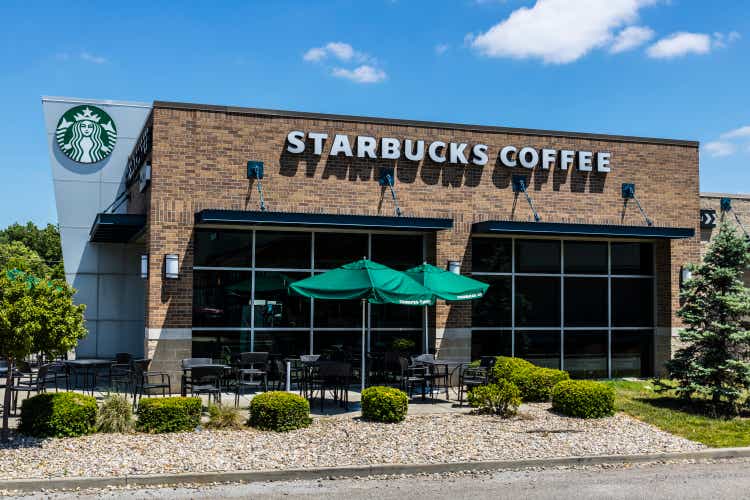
251 373
121 371
413 376
333 376
438 378
25 380
57 371
145 381
470 377
207 380
186 365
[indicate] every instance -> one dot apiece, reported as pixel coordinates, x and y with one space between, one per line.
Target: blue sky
662 68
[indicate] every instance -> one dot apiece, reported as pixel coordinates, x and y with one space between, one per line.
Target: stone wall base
165 348
453 343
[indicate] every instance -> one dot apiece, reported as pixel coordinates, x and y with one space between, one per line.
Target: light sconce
144 266
685 275
171 266
454 266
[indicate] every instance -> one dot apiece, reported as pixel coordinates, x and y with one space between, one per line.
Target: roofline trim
102 102
418 123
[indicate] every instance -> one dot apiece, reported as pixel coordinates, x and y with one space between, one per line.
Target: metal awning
570 229
292 219
116 228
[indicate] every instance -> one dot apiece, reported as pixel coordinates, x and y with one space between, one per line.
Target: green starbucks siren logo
86 134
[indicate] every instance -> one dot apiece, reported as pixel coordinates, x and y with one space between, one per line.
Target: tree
36 316
45 242
713 363
16 255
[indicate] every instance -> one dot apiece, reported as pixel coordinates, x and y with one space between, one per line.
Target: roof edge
109 102
418 123
736 196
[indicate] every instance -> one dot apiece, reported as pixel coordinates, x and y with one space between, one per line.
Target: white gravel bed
338 441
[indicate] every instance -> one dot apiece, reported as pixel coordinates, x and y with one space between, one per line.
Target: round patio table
87 366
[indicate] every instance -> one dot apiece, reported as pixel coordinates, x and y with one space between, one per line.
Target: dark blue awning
292 219
116 228
569 229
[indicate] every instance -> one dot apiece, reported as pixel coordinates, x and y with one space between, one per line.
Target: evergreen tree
714 362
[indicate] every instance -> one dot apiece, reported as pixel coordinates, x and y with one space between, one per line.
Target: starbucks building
183 226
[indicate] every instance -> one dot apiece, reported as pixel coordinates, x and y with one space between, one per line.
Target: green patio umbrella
445 285
368 281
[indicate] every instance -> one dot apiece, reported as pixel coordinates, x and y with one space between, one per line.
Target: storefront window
583 257
274 305
585 302
632 353
494 309
491 343
381 341
216 248
586 353
283 250
338 314
632 302
396 316
333 250
541 348
537 301
338 345
281 343
632 258
221 298
220 345
538 256
398 251
491 255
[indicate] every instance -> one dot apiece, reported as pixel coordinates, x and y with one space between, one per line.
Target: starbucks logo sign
86 134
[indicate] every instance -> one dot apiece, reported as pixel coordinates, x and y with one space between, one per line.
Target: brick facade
199 162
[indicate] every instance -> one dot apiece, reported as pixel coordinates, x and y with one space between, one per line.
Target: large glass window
607 291
492 255
537 301
586 353
538 256
284 323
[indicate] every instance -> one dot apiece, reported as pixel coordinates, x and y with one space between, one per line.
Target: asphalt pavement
683 481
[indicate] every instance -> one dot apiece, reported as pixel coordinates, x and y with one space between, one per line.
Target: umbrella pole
362 367
425 334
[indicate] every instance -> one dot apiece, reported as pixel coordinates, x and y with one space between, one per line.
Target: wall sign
708 218
86 134
389 148
141 151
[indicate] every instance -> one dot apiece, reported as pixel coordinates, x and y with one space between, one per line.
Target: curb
356 471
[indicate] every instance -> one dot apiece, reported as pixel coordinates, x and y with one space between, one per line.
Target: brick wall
199 161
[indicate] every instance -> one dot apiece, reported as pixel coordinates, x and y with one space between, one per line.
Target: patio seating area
330 383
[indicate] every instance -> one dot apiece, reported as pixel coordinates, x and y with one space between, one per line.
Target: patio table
87 366
450 367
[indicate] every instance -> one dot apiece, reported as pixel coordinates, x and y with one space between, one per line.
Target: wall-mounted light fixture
685 275
144 266
171 266
454 266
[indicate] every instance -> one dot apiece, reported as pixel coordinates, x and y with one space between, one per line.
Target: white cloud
441 48
630 38
341 50
86 56
315 54
737 133
558 31
361 74
719 148
680 44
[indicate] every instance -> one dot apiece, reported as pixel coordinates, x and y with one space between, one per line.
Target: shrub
583 399
157 415
539 383
384 404
534 382
279 411
224 417
115 415
64 414
501 398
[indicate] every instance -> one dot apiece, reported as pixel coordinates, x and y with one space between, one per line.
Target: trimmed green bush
175 414
534 382
115 415
583 399
384 404
63 414
279 411
501 398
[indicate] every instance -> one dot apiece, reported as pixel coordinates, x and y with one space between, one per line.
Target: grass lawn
663 410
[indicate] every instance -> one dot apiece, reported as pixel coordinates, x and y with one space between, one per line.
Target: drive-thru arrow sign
708 218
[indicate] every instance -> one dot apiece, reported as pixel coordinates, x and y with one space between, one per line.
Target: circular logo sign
86 134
